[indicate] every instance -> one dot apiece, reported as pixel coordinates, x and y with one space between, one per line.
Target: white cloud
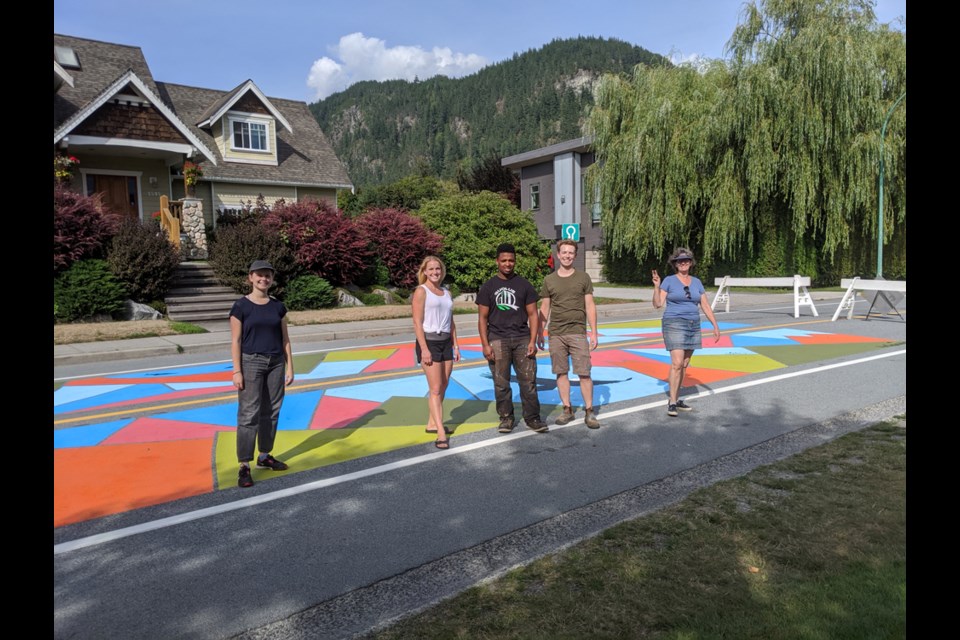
363 58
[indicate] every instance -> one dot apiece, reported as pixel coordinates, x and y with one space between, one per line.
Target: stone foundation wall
193 235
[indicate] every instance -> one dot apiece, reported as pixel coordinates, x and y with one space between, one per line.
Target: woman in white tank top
436 345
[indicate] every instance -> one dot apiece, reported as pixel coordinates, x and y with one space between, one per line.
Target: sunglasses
686 290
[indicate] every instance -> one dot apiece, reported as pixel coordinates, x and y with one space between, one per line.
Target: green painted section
359 354
307 362
815 352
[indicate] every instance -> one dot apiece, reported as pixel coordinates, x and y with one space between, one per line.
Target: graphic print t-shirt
507 301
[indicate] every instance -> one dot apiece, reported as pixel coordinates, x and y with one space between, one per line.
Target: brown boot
591 420
566 416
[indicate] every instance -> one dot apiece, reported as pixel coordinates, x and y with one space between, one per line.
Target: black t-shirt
507 301
262 332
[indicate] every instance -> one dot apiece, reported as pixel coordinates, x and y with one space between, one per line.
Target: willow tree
770 157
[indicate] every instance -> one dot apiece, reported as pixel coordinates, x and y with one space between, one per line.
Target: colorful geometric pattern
132 440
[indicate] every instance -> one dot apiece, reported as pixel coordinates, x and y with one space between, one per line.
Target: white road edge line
101 538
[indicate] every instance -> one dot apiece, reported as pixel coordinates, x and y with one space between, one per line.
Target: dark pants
509 352
258 410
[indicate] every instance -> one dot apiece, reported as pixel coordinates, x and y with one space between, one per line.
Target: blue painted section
297 411
382 390
759 341
66 393
477 381
179 371
224 415
123 394
186 386
471 355
781 333
88 435
635 332
456 391
336 369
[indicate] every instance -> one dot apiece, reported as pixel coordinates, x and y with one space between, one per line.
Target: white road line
101 538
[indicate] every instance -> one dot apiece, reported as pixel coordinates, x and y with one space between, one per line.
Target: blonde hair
421 274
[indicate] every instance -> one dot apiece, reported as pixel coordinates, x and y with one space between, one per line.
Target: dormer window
249 134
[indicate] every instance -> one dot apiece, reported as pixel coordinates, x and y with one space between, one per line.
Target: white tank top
437 311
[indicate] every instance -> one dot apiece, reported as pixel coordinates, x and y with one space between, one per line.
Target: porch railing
171 213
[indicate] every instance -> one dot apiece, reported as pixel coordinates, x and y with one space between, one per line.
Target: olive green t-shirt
568 311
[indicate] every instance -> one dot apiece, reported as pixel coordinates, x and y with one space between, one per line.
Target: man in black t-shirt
508 324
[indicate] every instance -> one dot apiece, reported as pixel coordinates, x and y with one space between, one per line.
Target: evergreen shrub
309 292
87 288
143 259
236 246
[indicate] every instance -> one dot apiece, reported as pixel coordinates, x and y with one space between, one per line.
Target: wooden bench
799 283
882 287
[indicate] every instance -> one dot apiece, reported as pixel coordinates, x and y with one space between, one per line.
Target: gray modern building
553 185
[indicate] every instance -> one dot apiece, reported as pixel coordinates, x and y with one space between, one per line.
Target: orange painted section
92 482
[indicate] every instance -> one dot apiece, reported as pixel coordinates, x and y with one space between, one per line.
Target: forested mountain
383 131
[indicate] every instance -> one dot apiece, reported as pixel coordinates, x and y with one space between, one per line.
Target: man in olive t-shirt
567 303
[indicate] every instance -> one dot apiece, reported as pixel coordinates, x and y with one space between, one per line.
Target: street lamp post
883 134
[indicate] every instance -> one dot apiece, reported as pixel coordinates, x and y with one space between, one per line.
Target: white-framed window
535 197
249 134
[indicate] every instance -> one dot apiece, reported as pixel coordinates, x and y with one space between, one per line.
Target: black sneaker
566 416
683 406
672 410
506 425
271 463
537 425
245 480
591 420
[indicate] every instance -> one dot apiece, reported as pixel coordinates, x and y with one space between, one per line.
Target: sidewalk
218 339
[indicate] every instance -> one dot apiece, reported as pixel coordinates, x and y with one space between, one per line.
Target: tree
771 157
490 175
472 225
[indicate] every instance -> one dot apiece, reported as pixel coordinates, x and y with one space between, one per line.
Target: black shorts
440 350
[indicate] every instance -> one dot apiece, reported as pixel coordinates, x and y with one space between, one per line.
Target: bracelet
236 372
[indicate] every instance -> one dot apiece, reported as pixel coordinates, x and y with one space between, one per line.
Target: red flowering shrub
81 227
401 241
325 242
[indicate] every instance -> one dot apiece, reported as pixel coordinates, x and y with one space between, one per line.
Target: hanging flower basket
191 175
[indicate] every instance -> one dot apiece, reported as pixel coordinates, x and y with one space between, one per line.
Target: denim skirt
681 333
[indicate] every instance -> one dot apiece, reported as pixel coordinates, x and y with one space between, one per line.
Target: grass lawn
811 547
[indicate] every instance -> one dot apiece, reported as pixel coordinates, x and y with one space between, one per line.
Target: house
132 135
553 186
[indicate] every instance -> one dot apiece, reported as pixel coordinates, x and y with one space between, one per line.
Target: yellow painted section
311 449
362 354
633 324
739 362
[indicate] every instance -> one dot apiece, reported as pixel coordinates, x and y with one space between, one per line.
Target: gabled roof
130 78
216 110
304 159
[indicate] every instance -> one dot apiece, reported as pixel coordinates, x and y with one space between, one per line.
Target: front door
119 193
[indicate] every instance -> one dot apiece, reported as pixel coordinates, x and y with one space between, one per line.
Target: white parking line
101 538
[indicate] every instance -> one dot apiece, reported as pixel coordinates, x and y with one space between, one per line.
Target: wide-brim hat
682 256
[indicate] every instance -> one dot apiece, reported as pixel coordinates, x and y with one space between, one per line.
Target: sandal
445 430
442 444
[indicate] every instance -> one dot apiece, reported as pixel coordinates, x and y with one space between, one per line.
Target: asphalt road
337 551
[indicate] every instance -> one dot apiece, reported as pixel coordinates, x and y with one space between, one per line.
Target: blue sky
307 49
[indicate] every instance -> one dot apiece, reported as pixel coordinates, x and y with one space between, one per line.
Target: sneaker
566 416
537 425
245 480
591 420
672 410
683 406
506 425
271 463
